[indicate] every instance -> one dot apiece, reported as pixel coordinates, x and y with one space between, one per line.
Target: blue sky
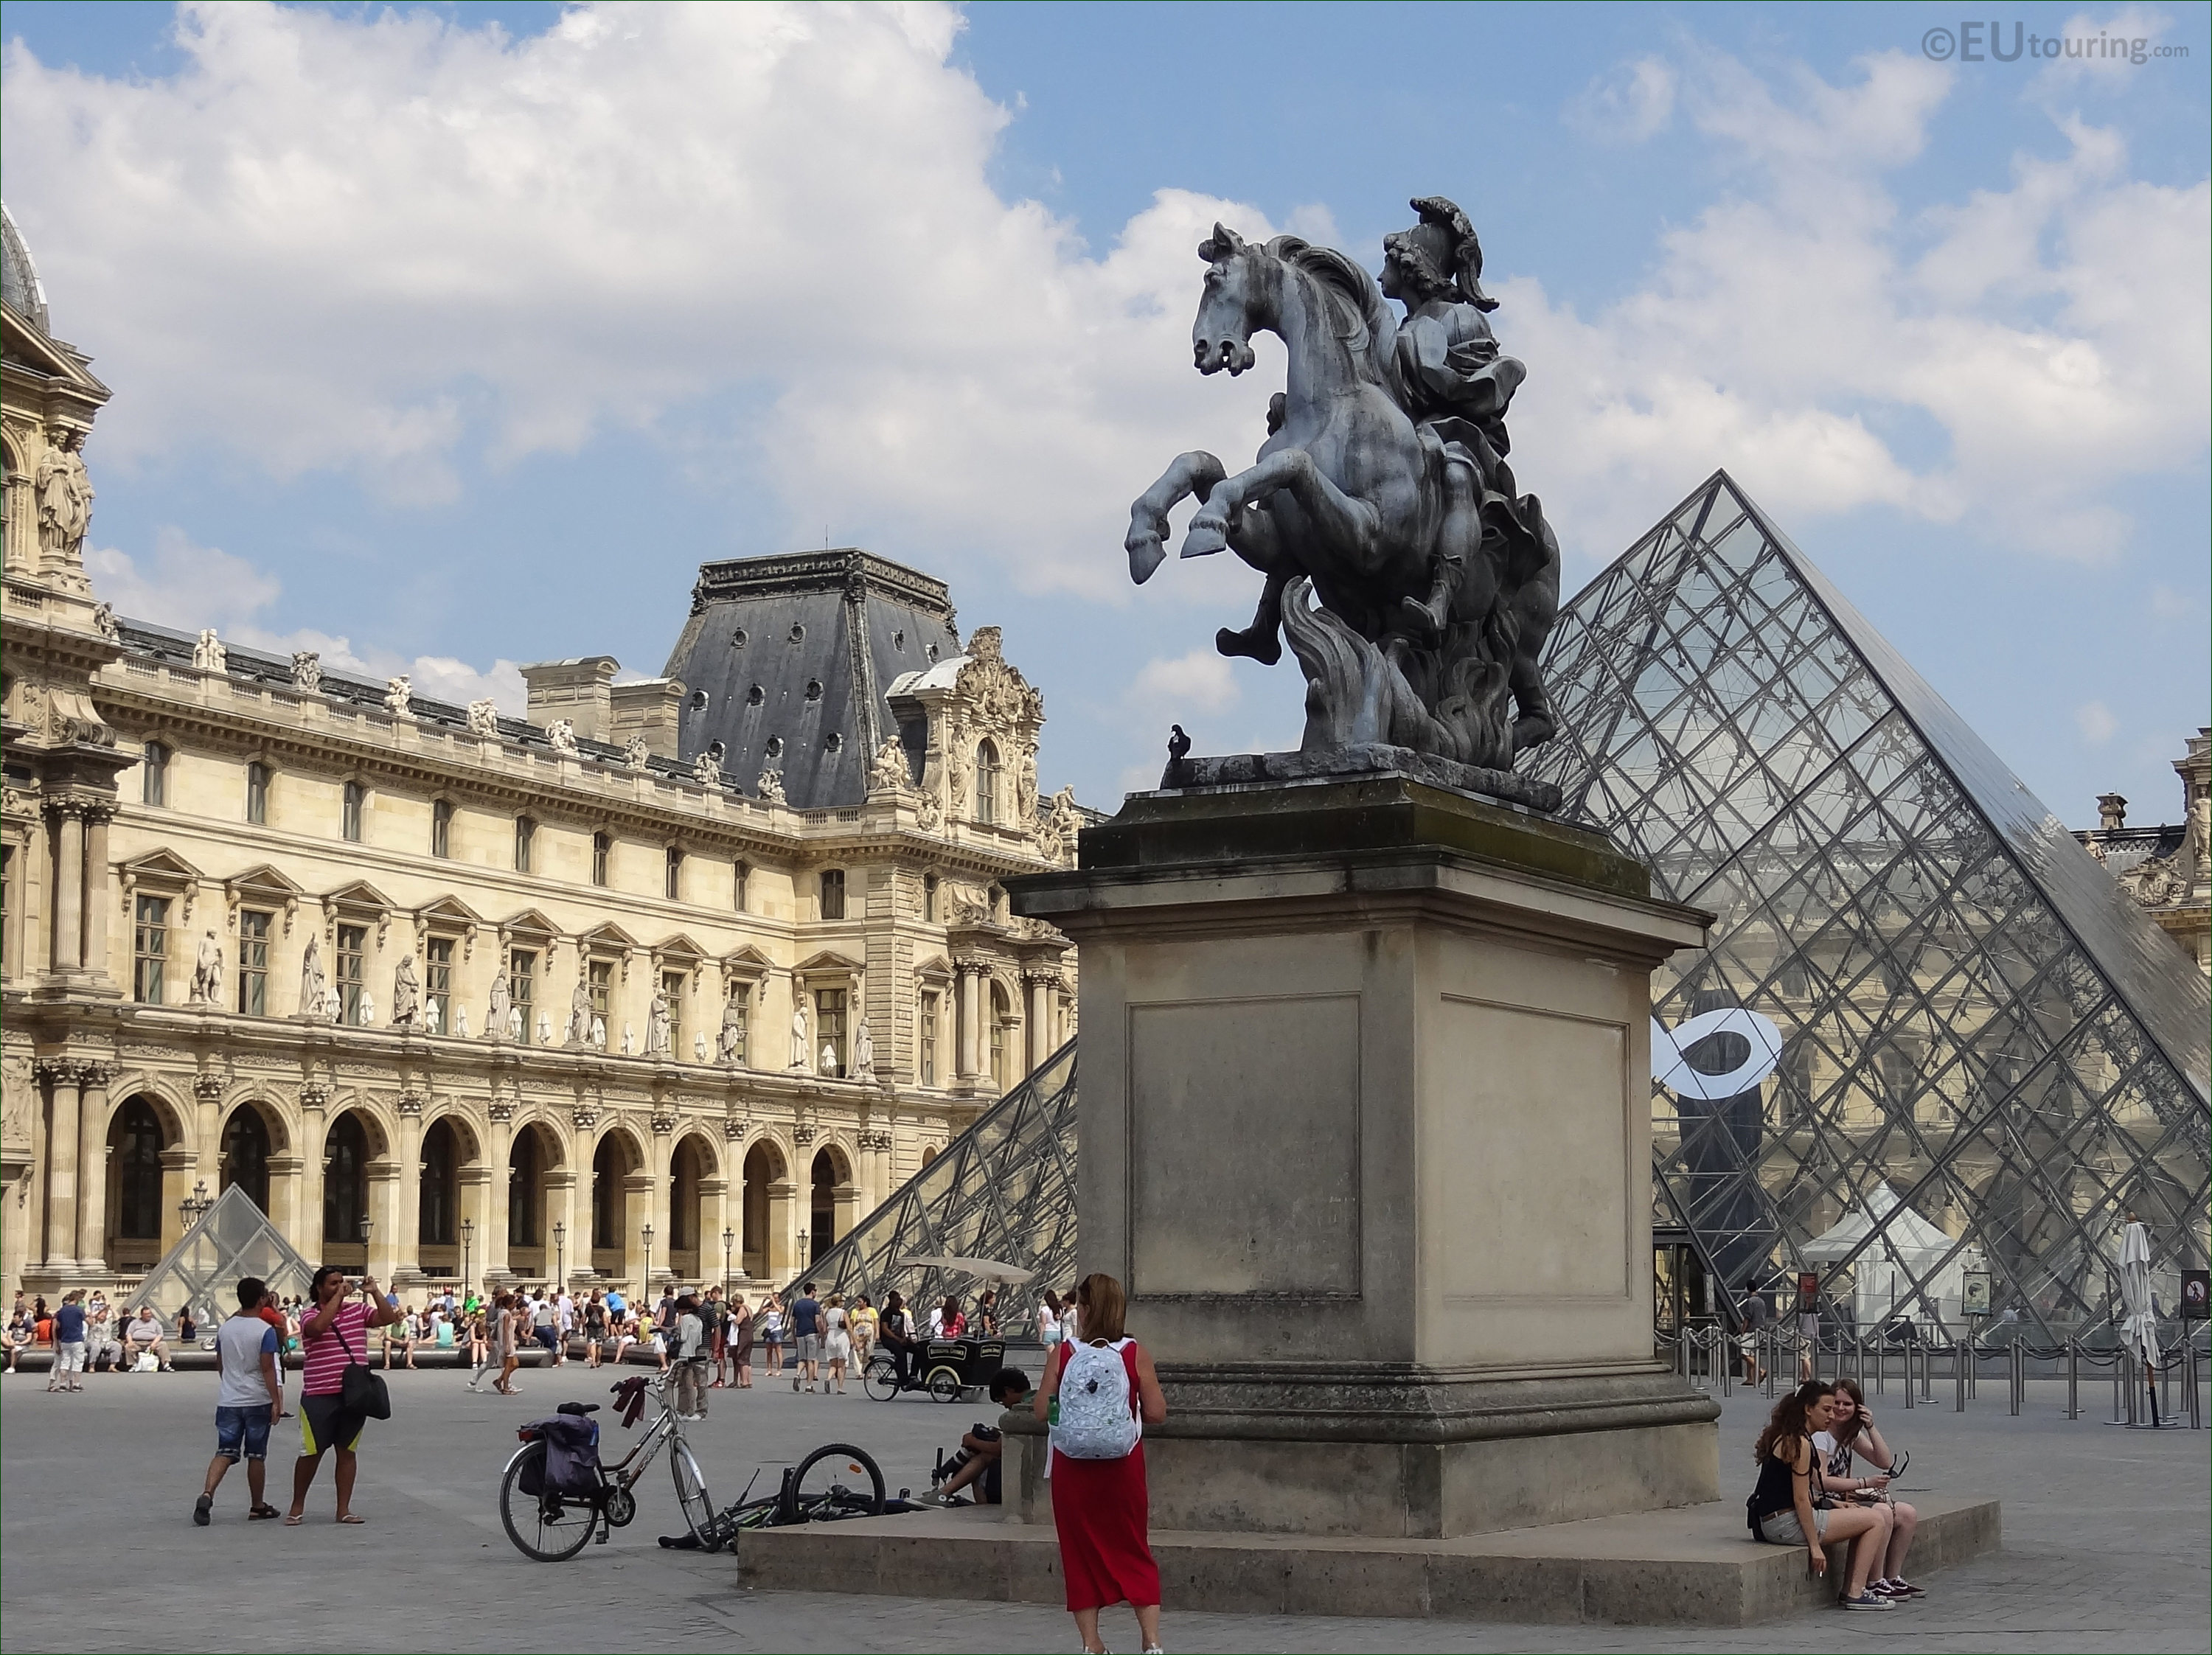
463 334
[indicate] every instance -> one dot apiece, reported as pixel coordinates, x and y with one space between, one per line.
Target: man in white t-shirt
143 1334
564 1320
248 1401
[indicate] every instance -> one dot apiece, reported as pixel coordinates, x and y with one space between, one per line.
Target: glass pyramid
1003 1191
233 1238
1984 1040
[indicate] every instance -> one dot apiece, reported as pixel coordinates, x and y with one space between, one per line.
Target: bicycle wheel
836 1480
880 1378
691 1496
549 1530
946 1385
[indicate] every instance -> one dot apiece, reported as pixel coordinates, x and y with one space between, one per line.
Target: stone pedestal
1365 1132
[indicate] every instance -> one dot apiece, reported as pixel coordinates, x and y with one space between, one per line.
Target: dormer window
986 783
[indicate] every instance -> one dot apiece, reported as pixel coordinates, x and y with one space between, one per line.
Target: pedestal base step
1694 1566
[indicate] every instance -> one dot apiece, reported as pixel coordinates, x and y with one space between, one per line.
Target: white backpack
1098 1406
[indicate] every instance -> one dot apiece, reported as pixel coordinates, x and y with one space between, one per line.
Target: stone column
491 1234
660 1149
966 1020
407 1241
476 1212
98 894
62 1148
92 1159
68 885
306 1234
637 1212
207 1128
384 1235
1036 1033
714 1218
782 1232
180 1169
284 1194
560 1257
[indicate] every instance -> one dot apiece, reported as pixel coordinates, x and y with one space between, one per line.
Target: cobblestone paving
2108 1537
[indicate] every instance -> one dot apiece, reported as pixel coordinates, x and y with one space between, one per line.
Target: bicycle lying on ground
813 1491
551 1524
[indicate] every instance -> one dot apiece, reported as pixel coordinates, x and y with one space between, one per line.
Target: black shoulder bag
362 1390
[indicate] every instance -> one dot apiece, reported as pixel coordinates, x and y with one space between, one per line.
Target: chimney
653 709
575 690
2112 811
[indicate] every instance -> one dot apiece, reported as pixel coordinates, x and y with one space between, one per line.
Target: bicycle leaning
551 1523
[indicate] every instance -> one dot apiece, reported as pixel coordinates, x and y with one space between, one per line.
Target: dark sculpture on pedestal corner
1416 585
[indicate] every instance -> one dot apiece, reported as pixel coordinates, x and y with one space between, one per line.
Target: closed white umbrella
2140 1327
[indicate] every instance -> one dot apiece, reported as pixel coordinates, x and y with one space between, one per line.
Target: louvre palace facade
670 977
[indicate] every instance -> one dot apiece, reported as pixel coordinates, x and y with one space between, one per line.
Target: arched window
345 1182
986 783
245 1154
435 1206
1001 1043
134 1174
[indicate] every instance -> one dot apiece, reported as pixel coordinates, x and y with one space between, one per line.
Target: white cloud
1202 681
382 237
2096 723
1634 102
2107 44
189 587
2054 332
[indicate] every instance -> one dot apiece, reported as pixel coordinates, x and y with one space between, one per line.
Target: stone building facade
454 993
2167 868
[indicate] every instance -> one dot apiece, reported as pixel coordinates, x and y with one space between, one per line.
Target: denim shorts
1784 1529
242 1432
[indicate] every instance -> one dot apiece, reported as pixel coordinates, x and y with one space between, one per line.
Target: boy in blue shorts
248 1401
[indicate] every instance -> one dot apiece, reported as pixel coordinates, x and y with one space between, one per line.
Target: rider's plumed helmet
1442 253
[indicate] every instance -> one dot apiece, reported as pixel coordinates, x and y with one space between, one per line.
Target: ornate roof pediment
163 867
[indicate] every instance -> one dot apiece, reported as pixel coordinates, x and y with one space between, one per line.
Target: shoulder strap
338 1330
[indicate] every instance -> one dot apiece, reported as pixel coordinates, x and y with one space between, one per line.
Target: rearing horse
1345 491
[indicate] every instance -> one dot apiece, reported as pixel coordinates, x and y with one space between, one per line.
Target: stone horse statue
1354 502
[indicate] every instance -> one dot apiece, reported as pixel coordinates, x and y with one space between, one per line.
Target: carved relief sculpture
636 752
770 787
307 671
103 621
561 735
887 774
706 768
398 693
208 654
484 719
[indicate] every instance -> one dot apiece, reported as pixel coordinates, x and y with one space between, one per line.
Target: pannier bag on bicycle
1097 1403
571 1456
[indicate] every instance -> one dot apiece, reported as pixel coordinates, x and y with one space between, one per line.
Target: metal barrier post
1724 1352
2127 1371
2195 1400
1928 1374
1973 1367
1773 1357
2119 1385
1958 1374
2073 1379
2019 1376
1880 1363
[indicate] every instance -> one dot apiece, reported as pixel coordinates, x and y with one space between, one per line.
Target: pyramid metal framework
1973 1012
234 1239
1004 1189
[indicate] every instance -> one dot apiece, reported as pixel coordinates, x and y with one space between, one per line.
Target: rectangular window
149 950
350 822
671 984
157 774
525 831
829 1026
438 979
929 1040
929 899
352 972
522 989
599 979
256 793
253 961
833 893
441 827
602 845
743 873
674 888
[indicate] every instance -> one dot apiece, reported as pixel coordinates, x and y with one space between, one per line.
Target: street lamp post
805 1260
468 1235
729 1242
194 1207
561 1254
367 1225
645 1234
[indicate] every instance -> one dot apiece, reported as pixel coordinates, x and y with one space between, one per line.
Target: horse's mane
1361 317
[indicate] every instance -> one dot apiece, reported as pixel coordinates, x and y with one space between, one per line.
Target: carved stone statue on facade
500 1001
1059 824
103 621
864 1053
312 981
887 773
928 813
64 491
561 736
659 1039
801 1037
398 695
580 1015
484 719
706 768
636 752
429 1017
307 671
1025 789
207 972
732 1042
770 787
1382 492
208 652
406 993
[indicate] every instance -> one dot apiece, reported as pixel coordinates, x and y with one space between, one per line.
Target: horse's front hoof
1205 538
1145 554
1265 648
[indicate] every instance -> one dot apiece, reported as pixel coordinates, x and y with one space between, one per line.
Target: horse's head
1222 336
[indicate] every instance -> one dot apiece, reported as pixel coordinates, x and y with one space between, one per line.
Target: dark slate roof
19 277
796 652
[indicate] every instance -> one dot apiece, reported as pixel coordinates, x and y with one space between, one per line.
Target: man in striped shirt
334 1334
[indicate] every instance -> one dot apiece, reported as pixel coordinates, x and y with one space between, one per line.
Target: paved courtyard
2106 1539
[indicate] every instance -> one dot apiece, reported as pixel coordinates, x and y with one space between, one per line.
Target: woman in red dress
1100 1507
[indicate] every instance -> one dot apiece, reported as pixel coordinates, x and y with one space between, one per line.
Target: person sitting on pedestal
144 1337
977 1463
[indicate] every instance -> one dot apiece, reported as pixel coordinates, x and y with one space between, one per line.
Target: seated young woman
1851 1433
1783 1502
